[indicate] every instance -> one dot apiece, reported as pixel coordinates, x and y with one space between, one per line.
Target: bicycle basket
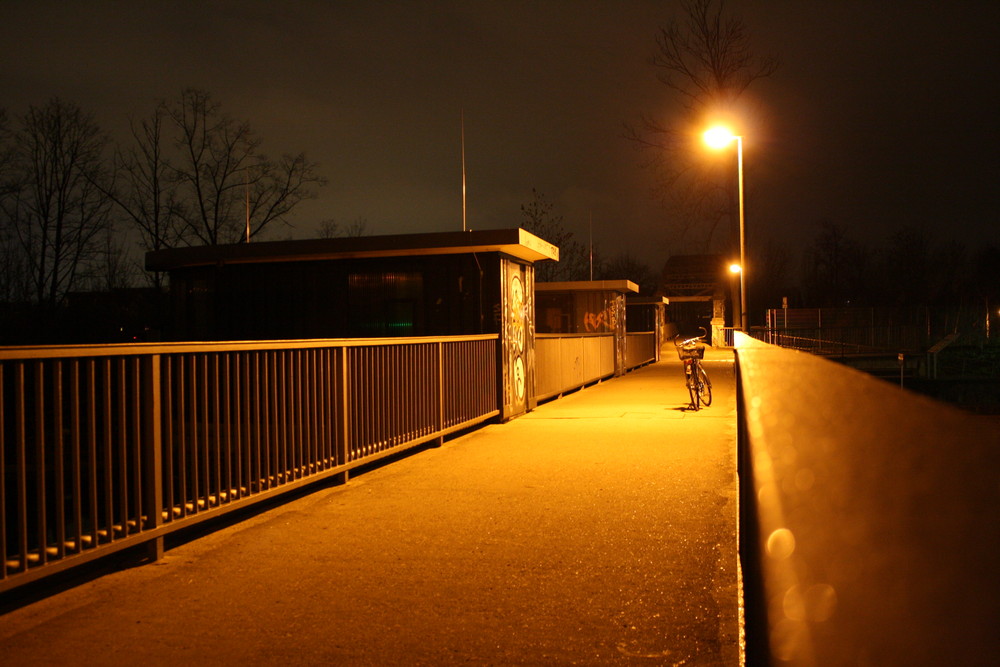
691 351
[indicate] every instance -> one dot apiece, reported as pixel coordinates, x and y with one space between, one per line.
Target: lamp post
720 137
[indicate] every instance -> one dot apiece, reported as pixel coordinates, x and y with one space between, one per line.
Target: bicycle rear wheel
704 387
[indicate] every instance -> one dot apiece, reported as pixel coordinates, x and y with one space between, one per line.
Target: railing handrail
133 349
869 517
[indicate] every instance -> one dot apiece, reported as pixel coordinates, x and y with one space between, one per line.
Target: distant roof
516 242
588 286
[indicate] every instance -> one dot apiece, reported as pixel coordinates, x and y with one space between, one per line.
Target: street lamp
718 138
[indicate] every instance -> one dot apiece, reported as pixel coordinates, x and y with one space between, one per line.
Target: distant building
698 287
440 284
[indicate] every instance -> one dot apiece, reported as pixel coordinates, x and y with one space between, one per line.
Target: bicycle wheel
704 387
692 384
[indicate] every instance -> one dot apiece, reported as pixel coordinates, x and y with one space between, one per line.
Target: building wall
348 298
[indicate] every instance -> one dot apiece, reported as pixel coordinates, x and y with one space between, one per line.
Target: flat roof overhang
623 286
515 242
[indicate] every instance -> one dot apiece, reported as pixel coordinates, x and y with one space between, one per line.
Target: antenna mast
463 170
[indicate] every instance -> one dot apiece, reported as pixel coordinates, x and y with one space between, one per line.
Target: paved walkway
598 529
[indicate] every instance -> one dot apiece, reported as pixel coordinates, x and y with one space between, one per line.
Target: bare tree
112 269
56 203
625 266
705 59
146 188
329 229
13 284
538 218
227 190
836 268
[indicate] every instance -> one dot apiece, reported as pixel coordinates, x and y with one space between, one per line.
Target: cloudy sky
882 114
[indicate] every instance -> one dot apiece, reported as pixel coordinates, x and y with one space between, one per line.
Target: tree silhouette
704 58
55 204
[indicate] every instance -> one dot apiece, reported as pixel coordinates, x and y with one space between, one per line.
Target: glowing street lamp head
718 137
735 268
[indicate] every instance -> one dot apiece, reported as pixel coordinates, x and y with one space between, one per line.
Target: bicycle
691 351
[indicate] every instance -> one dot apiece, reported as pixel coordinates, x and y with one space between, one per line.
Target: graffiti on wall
606 320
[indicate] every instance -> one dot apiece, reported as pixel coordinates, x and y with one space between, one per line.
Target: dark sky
882 114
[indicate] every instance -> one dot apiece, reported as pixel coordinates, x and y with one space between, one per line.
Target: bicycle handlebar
691 341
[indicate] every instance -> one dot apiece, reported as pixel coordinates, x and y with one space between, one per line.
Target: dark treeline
908 270
75 207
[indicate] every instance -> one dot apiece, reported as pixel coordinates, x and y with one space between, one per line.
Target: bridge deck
600 528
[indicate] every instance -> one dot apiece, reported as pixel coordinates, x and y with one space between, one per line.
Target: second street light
720 137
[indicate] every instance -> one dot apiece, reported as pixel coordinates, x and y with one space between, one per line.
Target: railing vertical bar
231 421
387 427
151 447
220 425
59 460
296 407
288 413
185 399
3 478
306 413
311 391
247 441
204 496
263 422
138 455
270 445
122 446
439 393
108 484
187 469
381 401
168 392
361 389
39 446
277 424
298 443
281 423
343 388
328 423
21 471
92 445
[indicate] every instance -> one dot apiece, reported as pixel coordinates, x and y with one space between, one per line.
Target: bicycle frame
691 351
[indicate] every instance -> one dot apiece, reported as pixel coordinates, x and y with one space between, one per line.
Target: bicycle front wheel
704 387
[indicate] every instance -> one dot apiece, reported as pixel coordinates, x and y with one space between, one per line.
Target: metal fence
110 447
846 340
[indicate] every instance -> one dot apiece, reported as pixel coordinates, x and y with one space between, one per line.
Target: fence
110 447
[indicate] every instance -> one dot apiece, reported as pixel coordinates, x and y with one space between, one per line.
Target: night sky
882 114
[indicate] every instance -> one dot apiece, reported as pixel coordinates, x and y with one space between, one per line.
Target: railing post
151 448
440 391
343 425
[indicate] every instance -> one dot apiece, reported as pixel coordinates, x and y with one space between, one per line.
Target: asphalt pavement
598 529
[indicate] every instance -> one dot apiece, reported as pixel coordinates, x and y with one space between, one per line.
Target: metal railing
848 340
104 448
